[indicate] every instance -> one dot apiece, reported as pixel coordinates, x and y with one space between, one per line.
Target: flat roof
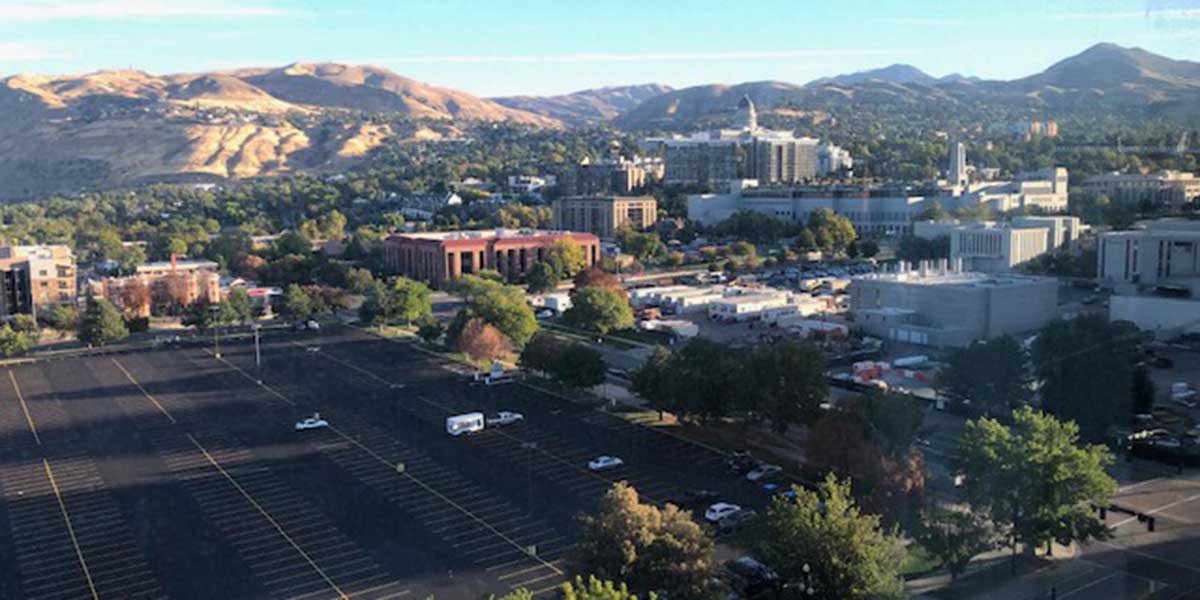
484 234
966 279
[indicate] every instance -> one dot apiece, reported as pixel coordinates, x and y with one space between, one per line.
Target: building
170 285
746 151
956 173
941 305
991 247
616 175
605 215
1025 130
1154 272
528 184
423 206
1166 188
36 278
435 257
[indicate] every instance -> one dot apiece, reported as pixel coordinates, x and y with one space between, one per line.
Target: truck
465 423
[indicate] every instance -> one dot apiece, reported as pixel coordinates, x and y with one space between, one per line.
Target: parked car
693 498
753 575
763 472
720 510
735 521
740 462
313 422
602 463
506 417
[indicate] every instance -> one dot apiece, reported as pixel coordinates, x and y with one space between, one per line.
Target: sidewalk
990 577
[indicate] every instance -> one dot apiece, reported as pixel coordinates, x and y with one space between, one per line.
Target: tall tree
992 376
297 305
541 278
540 353
579 366
1086 367
954 537
650 381
412 300
135 297
847 553
787 382
101 323
893 420
596 277
14 342
565 258
239 307
1034 480
1143 391
481 341
599 309
595 589
649 548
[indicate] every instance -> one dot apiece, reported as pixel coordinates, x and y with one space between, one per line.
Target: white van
467 423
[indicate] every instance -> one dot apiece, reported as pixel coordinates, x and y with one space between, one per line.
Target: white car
763 472
313 326
313 422
506 417
720 510
605 462
312 349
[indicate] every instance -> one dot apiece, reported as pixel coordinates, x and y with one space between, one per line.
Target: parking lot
173 473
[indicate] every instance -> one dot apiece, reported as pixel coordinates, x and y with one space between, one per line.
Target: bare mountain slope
587 106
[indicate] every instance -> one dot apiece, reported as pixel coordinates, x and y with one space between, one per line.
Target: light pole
531 446
257 352
216 331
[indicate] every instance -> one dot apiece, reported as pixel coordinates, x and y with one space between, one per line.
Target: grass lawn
917 562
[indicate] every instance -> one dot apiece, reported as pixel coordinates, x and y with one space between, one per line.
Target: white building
1169 188
992 247
1155 275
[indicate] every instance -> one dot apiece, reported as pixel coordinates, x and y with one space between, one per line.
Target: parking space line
67 519
21 398
148 395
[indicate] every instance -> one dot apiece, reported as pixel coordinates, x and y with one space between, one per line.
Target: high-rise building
605 215
615 176
956 171
36 278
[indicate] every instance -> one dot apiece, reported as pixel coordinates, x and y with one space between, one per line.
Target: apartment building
603 216
170 285
36 278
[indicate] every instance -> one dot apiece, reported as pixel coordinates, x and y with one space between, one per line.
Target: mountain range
109 128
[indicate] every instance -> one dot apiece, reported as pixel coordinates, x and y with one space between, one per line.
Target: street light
213 310
257 354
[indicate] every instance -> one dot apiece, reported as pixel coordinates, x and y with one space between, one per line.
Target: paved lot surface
172 473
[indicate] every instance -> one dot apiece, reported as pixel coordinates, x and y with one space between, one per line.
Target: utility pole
257 353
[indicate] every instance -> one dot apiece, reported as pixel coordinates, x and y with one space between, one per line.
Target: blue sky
500 47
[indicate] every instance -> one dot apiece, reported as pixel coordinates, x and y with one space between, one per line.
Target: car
312 349
735 521
506 417
754 574
720 510
313 325
693 498
313 422
601 463
763 472
740 462
1090 300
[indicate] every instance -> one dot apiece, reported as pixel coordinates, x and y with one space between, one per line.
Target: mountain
587 106
61 133
897 73
1103 78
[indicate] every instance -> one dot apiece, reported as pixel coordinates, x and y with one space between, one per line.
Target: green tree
240 308
1034 480
359 281
63 318
430 330
954 537
412 299
293 242
565 258
991 376
849 556
595 589
933 212
541 278
541 352
893 420
786 382
14 342
643 246
1143 391
296 306
831 232
599 309
580 366
101 323
649 548
1086 368
25 324
650 380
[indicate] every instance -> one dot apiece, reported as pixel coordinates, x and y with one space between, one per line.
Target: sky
544 47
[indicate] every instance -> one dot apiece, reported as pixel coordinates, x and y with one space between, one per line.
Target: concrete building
746 152
616 175
943 306
956 173
1166 188
435 257
604 215
171 284
1155 275
992 247
34 278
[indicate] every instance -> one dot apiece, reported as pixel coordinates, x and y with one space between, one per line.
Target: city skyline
542 48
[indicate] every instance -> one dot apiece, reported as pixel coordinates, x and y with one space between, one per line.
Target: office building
1154 272
746 151
435 257
36 278
605 215
939 304
991 247
1171 189
618 176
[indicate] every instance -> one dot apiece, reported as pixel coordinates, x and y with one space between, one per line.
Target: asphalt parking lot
171 473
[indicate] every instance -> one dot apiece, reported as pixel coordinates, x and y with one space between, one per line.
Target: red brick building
437 256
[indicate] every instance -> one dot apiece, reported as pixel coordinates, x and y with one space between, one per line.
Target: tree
650 380
869 248
297 305
847 553
595 277
954 537
831 232
643 246
991 376
101 323
595 589
933 212
501 305
14 342
565 258
1086 367
26 324
1033 480
237 307
541 278
481 341
648 548
580 366
129 257
135 297
540 353
892 420
599 309
293 242
359 280
412 300
1143 391
430 330
914 249
63 318
786 382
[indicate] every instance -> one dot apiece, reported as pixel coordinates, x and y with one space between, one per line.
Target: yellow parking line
28 417
267 516
519 573
143 390
541 591
62 506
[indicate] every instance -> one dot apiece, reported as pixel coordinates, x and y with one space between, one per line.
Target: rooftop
965 279
484 234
